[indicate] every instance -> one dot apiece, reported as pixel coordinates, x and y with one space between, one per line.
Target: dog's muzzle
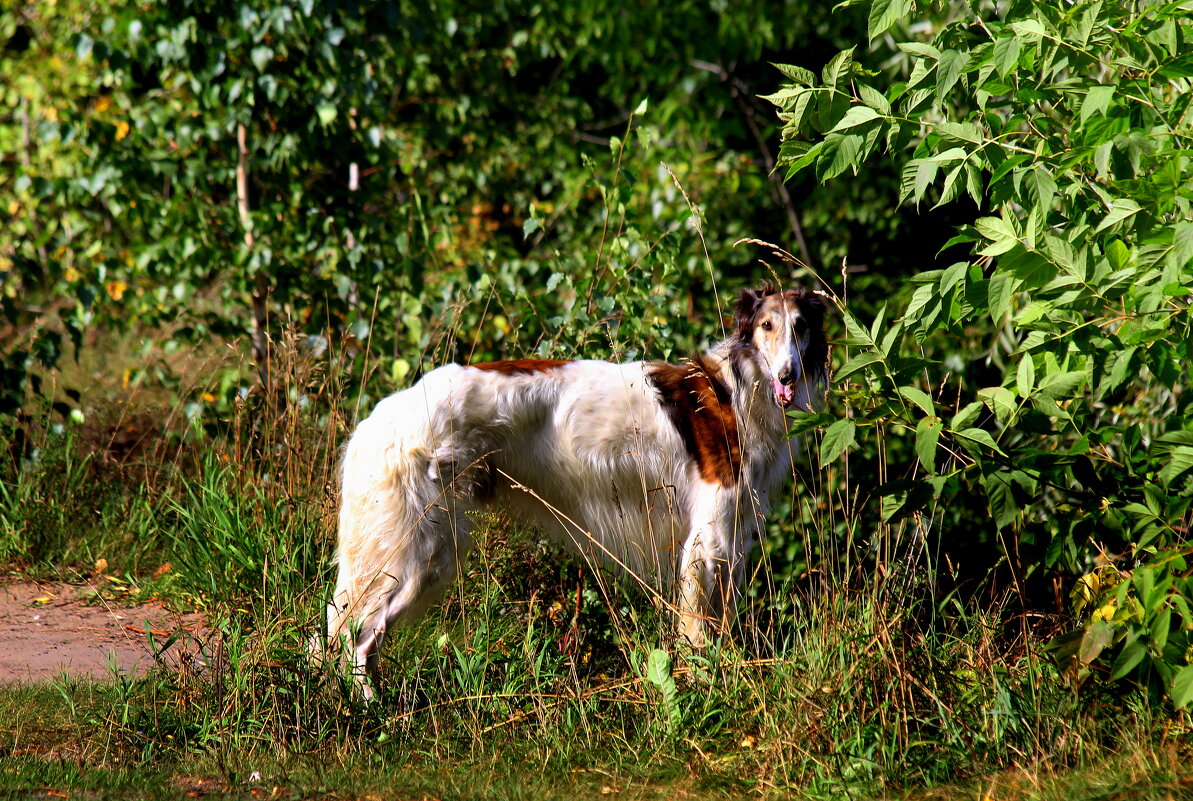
784 387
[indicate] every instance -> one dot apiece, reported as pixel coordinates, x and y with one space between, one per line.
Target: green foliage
1068 127
217 556
60 511
361 172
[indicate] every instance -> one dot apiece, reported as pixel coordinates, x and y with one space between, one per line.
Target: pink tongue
783 393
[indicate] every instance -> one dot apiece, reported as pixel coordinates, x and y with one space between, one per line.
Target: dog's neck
762 423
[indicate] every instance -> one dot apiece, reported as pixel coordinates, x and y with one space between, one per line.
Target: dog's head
784 334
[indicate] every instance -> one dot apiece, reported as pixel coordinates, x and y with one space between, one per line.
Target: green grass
537 678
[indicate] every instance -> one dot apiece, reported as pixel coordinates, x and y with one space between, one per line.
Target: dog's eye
767 325
801 326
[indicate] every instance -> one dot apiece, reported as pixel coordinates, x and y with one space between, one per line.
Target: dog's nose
786 377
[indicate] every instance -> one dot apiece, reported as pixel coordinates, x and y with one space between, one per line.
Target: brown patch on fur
520 366
701 410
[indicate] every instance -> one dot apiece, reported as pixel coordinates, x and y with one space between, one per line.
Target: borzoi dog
658 470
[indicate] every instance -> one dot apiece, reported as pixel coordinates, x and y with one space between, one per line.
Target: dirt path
45 630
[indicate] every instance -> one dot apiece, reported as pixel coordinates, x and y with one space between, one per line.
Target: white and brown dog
657 470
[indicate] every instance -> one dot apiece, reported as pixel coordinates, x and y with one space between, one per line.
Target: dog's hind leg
393 580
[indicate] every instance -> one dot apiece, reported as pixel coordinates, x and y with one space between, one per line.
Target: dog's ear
747 305
813 305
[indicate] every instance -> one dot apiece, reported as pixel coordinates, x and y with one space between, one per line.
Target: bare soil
50 629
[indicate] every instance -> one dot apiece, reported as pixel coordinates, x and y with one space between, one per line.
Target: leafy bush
1067 125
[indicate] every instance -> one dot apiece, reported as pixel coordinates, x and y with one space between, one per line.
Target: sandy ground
47 630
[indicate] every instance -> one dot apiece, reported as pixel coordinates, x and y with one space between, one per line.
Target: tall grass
837 681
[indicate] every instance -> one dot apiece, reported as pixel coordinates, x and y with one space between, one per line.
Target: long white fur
585 451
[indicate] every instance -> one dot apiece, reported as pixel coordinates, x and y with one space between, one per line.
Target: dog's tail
395 548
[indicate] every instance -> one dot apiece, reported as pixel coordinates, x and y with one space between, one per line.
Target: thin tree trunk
740 94
262 288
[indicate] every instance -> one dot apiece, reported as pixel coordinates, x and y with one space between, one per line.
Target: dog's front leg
710 566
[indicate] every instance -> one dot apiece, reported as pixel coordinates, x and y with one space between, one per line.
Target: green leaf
857 115
952 64
803 422
863 359
902 497
1128 659
786 97
838 438
919 398
952 186
919 49
809 157
884 14
799 109
658 672
1062 385
874 99
1001 401
1144 581
1096 638
965 417
1097 99
1001 289
1182 245
799 75
952 154
1180 690
924 295
658 667
261 56
326 112
1004 508
980 436
1030 30
1006 54
1179 460
856 334
925 174
1001 234
927 435
1025 376
1160 628
839 154
841 66
1120 209
961 131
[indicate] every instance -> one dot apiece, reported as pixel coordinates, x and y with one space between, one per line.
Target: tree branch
740 92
